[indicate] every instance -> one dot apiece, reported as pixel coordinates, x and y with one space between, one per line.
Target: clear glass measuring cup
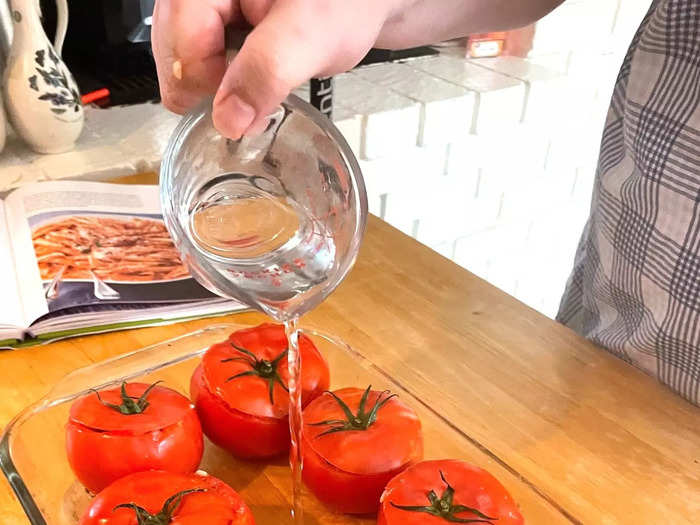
274 221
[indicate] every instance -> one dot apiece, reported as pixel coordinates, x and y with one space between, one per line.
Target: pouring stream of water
244 228
295 418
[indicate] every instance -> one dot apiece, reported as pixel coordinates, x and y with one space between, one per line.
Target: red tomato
354 442
447 491
175 499
130 429
240 390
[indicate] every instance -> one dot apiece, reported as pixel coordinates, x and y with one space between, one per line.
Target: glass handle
249 147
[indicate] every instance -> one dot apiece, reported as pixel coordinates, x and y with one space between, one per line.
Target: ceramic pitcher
41 97
3 127
5 41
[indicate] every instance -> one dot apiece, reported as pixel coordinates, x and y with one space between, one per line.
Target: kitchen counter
575 434
115 142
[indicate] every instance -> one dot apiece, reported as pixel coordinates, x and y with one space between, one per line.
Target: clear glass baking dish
32 448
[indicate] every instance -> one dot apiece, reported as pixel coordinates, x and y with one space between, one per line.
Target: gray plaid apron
635 287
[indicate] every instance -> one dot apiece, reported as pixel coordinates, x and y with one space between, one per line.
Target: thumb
277 56
271 62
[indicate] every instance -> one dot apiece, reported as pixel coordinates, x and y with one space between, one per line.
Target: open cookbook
84 257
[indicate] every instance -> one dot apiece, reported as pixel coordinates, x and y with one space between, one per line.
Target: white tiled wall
491 162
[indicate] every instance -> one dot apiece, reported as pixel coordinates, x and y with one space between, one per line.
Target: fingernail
240 113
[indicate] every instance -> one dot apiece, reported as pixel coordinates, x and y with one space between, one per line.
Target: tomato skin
244 435
474 487
344 491
348 470
237 414
99 457
219 504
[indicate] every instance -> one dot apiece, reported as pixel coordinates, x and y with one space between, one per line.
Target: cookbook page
12 319
92 243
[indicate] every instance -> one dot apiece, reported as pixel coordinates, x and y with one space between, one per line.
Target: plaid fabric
635 287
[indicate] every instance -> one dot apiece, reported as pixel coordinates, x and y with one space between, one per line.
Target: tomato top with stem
249 370
444 507
132 408
164 498
468 494
166 513
363 432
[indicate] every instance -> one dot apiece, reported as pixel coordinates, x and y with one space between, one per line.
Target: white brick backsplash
389 121
536 193
343 112
501 160
466 156
576 23
389 132
345 119
303 92
554 235
442 195
520 147
629 15
523 198
548 259
467 174
545 88
493 252
518 68
446 249
556 186
515 161
444 120
405 79
493 185
537 289
400 213
365 98
381 175
576 143
458 217
583 184
499 99
446 109
473 253
412 168
375 202
552 279
593 71
350 126
558 61
548 101
503 273
402 207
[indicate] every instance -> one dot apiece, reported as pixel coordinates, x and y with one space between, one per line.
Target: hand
292 41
